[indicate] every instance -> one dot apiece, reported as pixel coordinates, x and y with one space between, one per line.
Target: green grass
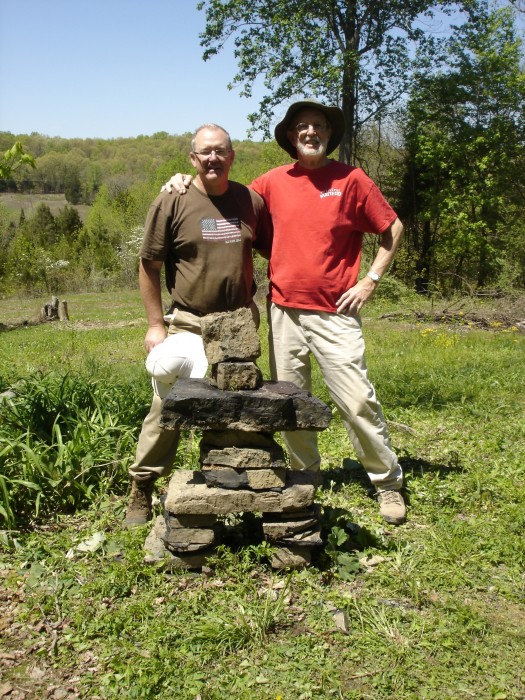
435 608
123 306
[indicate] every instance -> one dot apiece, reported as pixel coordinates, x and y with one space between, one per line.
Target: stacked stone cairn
242 467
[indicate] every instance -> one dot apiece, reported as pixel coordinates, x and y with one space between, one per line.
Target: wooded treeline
450 157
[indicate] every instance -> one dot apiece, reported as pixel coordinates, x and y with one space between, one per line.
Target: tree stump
54 309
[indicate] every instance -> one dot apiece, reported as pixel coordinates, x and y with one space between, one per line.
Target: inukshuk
243 468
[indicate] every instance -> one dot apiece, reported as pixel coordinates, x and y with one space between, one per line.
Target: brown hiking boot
392 506
139 510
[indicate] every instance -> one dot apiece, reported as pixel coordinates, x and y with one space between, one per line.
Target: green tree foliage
7 233
68 223
348 52
60 252
13 158
40 254
465 135
110 240
41 227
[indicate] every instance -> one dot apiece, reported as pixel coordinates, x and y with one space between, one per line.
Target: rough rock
230 335
243 458
309 538
236 376
239 438
155 552
188 539
194 403
187 494
291 558
277 528
256 479
203 520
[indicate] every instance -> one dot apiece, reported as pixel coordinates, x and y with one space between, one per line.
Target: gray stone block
188 495
236 376
173 521
188 539
256 479
291 558
243 458
276 528
239 438
155 553
230 335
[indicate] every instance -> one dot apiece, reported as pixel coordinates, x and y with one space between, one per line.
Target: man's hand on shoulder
177 183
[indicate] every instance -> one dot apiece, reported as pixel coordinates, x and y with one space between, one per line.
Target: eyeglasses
219 152
302 127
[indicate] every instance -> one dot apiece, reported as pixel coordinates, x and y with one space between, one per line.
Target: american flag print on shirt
221 230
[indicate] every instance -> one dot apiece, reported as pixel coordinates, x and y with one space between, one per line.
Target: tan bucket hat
333 114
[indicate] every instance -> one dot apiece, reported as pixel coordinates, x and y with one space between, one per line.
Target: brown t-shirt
206 245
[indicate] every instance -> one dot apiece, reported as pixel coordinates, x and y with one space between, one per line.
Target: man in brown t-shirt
204 240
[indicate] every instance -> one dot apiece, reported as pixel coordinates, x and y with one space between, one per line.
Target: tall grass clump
65 439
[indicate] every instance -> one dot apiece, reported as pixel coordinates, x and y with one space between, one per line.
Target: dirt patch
28 649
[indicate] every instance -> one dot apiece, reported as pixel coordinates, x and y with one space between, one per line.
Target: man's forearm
390 241
150 291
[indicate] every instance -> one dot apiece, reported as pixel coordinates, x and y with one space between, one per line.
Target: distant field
84 309
29 203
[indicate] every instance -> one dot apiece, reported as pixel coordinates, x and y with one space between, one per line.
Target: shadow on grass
413 468
358 537
350 471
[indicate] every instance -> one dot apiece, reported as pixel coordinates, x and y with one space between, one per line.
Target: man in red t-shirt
320 209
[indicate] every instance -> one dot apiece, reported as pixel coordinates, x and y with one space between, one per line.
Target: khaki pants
156 447
336 342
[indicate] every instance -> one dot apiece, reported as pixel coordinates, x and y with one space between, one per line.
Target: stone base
289 553
291 558
157 554
189 495
255 479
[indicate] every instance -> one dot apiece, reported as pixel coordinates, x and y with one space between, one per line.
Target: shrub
66 440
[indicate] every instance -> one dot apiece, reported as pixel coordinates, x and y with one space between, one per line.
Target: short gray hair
212 127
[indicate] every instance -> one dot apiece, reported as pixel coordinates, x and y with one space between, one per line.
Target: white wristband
373 276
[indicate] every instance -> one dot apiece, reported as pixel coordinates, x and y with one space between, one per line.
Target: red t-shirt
319 218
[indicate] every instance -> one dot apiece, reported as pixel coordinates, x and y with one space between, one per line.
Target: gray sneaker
392 506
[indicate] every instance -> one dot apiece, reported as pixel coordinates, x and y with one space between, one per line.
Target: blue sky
114 68
111 68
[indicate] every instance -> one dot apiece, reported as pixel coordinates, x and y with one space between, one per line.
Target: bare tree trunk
62 311
348 83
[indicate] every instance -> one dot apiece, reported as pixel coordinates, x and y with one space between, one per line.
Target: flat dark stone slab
256 479
195 403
